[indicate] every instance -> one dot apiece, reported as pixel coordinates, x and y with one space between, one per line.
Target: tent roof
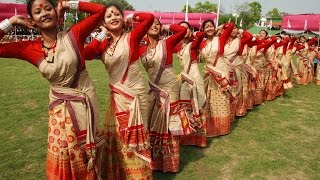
195 19
9 9
301 22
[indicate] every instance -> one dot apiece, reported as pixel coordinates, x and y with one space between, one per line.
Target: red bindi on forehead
41 5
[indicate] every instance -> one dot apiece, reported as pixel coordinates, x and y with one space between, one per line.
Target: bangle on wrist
5 25
74 5
100 37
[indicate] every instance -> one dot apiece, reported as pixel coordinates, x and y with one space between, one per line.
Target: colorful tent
195 19
299 23
10 9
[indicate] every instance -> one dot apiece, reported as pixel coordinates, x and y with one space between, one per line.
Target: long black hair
30 3
265 32
207 21
116 6
185 22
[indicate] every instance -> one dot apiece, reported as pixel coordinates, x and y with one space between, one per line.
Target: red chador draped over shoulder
73 104
126 153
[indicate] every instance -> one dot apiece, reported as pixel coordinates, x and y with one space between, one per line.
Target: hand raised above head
165 27
22 21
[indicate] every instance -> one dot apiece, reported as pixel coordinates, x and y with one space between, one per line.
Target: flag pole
64 20
318 36
218 13
15 27
187 9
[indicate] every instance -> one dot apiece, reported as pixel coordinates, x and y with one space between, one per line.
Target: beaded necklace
49 51
151 52
113 46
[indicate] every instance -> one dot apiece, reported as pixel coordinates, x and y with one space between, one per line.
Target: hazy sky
289 6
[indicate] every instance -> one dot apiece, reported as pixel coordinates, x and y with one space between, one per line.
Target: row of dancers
146 124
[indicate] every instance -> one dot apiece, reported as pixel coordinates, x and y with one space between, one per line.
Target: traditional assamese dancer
192 92
167 120
216 79
303 63
59 56
126 153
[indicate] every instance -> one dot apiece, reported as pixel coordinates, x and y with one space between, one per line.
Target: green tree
74 17
250 13
224 18
123 4
190 9
274 13
255 11
206 7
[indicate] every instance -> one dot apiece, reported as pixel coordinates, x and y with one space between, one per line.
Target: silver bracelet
100 37
5 25
74 5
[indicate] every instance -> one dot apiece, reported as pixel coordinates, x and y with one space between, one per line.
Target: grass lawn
278 140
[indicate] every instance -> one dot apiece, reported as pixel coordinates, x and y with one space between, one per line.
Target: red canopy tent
298 23
10 9
195 19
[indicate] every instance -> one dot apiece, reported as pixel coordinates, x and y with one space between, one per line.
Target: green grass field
278 140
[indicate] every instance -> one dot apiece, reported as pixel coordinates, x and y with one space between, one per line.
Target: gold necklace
151 52
112 47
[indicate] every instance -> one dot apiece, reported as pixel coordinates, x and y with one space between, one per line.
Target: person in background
59 56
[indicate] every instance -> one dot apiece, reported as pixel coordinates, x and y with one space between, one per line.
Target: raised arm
30 51
312 41
245 39
94 49
172 41
254 42
228 27
269 43
285 46
178 34
293 39
24 50
83 29
136 35
195 45
298 47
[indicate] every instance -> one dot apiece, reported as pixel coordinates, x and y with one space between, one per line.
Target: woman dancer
232 50
126 153
259 62
167 120
274 86
303 63
192 94
216 79
242 76
287 63
73 106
